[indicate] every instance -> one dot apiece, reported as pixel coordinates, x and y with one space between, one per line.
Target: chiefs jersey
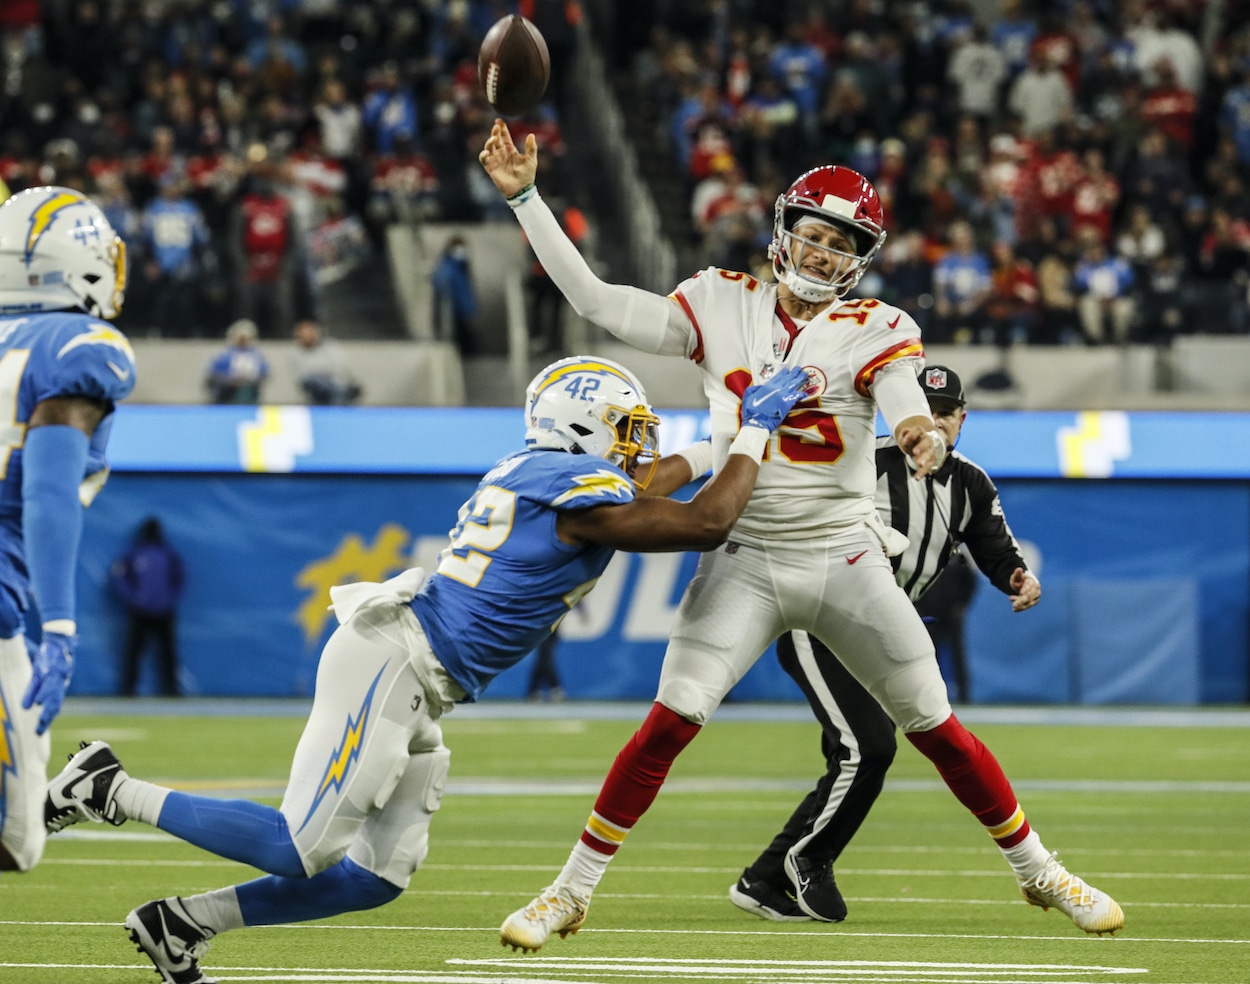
819 472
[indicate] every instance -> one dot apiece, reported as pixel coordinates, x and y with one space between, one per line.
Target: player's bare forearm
655 523
511 170
671 473
79 412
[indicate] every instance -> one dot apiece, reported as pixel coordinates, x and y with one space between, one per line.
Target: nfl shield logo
935 378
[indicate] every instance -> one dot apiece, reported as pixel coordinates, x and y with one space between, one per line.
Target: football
513 65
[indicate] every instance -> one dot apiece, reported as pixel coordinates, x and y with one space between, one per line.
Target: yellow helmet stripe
564 371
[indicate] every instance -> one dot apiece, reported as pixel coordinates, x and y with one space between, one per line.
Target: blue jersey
506 580
44 356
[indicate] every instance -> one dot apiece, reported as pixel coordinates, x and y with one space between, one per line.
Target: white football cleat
1091 910
558 909
85 789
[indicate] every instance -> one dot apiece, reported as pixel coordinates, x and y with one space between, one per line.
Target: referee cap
939 382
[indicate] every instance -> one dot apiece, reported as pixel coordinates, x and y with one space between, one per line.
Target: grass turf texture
1154 815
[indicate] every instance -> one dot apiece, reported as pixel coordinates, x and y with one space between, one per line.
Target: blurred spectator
390 110
1142 240
342 132
544 681
1157 176
1095 195
265 241
978 69
1163 313
961 285
320 367
800 67
1040 96
176 246
1170 106
1013 307
237 374
455 299
1013 35
149 580
405 188
1104 284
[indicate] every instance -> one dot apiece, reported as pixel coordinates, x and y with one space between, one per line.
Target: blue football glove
766 404
53 665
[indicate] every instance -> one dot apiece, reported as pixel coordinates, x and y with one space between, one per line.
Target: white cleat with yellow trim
558 909
1091 910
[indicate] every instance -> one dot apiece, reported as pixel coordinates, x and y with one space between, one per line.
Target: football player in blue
62 368
369 770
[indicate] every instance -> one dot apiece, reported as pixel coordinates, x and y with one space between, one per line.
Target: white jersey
819 473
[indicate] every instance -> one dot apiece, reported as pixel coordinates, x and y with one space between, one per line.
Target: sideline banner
261 553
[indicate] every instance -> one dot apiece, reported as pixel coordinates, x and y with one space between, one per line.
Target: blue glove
766 404
53 665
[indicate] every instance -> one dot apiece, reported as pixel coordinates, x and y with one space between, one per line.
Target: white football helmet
593 406
57 251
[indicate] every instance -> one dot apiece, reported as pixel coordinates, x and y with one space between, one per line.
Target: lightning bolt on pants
370 767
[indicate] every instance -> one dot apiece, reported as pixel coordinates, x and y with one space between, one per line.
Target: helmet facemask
597 407
788 249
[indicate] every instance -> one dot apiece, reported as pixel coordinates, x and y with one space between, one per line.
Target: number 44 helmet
843 198
57 251
585 405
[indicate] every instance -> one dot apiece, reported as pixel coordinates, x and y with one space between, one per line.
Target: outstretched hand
766 404
511 170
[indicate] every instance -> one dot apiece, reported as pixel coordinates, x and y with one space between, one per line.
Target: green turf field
1157 816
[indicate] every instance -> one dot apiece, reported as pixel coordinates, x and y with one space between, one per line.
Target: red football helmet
843 198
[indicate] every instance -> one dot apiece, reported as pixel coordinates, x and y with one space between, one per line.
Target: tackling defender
369 770
62 368
807 553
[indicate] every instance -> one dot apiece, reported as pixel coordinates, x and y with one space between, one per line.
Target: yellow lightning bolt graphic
46 213
269 425
100 335
598 483
564 371
8 763
352 561
348 749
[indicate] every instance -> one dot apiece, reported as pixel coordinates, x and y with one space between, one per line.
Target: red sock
975 777
636 776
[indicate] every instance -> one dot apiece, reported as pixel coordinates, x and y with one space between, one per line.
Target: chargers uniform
808 550
42 356
502 585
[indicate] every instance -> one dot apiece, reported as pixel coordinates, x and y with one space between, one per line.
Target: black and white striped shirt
958 504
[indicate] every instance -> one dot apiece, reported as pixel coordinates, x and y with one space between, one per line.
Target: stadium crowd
1061 172
1065 171
247 151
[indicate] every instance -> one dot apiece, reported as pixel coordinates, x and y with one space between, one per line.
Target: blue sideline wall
1138 525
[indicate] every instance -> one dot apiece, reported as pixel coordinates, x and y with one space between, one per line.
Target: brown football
513 66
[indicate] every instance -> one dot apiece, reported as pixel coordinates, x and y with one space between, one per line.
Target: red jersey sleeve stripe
903 350
697 355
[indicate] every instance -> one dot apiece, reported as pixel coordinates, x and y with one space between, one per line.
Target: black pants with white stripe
858 744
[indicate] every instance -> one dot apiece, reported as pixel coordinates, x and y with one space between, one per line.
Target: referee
956 505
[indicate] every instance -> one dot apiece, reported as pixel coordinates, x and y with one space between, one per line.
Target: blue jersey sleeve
580 482
86 358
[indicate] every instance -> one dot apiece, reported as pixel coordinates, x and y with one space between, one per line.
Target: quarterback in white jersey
820 472
809 551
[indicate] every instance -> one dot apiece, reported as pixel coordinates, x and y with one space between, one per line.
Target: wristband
939 441
61 626
523 196
698 457
751 441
